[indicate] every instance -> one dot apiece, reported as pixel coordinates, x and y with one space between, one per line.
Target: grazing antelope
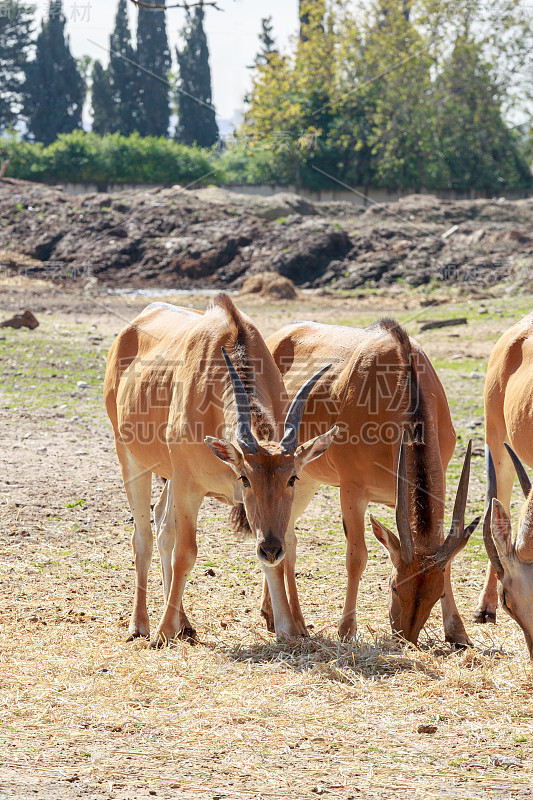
167 391
509 441
394 444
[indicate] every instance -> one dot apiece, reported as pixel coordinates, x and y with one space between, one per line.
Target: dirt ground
86 715
179 238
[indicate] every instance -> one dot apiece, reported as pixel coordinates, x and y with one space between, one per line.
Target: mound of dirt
269 284
273 207
213 238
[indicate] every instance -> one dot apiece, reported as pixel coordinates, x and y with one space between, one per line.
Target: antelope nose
270 551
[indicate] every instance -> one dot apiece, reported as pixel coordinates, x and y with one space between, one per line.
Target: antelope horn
289 442
492 491
458 535
243 431
525 483
407 548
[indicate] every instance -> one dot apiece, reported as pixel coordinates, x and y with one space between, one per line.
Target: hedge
85 157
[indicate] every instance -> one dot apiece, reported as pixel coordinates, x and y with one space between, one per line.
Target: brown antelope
509 439
167 391
380 385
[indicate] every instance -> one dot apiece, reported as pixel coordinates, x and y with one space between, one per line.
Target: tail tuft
238 519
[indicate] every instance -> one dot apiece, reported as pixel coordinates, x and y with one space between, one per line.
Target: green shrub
85 157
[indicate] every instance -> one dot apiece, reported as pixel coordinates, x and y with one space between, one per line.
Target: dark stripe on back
262 419
419 490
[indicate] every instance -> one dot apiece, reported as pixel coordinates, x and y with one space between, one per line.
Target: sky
232 36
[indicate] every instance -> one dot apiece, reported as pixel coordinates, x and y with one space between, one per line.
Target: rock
426 729
24 320
269 284
82 385
476 375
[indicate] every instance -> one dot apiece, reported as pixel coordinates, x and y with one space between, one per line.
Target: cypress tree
152 90
15 33
122 74
196 113
268 43
101 100
54 88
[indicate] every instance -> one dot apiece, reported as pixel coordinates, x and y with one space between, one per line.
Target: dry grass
238 716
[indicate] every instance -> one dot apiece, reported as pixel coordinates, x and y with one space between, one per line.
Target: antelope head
512 561
417 579
268 471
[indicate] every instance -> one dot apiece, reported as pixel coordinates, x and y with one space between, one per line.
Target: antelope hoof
288 632
460 641
302 628
483 615
139 630
347 631
185 634
132 635
268 616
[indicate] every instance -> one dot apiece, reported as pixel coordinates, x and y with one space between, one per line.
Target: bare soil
87 715
181 239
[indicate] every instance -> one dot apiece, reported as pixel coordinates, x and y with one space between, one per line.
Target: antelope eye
292 480
245 481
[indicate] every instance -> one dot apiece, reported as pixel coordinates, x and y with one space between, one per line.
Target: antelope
509 441
395 442
168 393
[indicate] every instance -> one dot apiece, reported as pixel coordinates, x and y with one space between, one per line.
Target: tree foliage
15 40
151 80
404 94
112 158
268 43
121 75
102 100
54 89
196 114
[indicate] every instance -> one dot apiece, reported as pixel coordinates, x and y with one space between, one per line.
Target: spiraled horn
492 492
289 442
407 548
525 483
458 535
243 432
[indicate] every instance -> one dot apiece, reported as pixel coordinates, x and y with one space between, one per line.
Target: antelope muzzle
270 550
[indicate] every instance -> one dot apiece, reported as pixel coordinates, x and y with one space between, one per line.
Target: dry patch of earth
86 715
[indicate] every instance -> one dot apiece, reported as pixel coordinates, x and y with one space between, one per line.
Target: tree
15 40
102 100
122 74
393 68
152 88
54 90
115 106
268 43
196 114
383 95
486 154
290 103
310 11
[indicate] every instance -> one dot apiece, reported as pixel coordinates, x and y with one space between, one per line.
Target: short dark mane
420 493
262 420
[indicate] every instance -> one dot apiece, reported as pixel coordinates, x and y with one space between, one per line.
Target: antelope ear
388 539
226 451
501 531
314 448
